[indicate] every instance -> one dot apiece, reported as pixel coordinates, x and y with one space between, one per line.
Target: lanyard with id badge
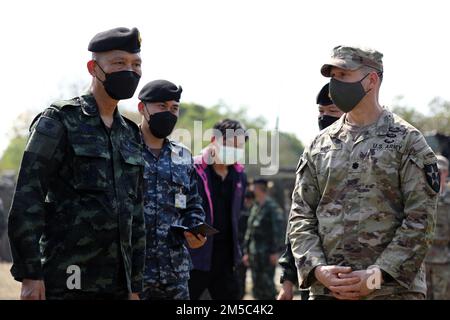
180 200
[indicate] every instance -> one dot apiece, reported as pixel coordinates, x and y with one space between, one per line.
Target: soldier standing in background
365 196
78 200
328 114
170 195
242 228
438 258
263 241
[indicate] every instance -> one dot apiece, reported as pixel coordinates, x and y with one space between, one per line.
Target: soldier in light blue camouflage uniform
364 203
170 196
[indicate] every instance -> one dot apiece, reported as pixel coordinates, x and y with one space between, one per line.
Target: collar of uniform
384 122
165 142
336 127
174 147
89 105
90 108
118 118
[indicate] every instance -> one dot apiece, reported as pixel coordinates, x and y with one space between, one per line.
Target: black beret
323 98
116 39
160 91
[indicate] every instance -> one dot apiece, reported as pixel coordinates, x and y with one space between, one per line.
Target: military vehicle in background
440 143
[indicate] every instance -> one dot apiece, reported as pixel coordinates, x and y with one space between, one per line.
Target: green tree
436 120
290 147
12 156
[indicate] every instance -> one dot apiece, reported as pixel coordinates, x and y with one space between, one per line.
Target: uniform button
355 165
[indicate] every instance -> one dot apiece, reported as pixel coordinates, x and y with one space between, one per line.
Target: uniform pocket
132 168
90 166
181 175
180 259
326 158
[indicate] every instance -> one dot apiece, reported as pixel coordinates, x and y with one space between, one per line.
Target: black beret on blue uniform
323 98
116 39
160 91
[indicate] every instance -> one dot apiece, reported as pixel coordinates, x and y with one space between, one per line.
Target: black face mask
326 121
347 95
120 85
161 124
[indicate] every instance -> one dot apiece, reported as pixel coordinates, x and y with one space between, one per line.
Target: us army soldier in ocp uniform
438 258
170 195
365 196
78 200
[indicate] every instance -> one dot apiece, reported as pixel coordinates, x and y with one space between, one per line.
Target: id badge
180 201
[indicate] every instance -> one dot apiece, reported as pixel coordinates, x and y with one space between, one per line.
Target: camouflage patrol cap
353 58
442 162
116 39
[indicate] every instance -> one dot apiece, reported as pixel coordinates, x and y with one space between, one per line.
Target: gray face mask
347 95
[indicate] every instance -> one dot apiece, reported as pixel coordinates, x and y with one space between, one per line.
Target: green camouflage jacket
265 228
78 201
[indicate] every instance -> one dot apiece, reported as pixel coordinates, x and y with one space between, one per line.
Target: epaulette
60 104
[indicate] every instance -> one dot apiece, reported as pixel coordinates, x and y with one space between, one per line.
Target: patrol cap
323 98
160 91
353 58
116 39
442 162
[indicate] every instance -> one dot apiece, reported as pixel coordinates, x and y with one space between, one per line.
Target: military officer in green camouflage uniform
264 241
76 224
171 198
438 258
364 201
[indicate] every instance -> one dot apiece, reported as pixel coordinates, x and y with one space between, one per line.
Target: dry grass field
9 288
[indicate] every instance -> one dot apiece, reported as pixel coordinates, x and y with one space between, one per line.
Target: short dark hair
262 183
249 194
230 124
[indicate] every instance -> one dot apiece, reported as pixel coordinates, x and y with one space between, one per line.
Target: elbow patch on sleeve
45 137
